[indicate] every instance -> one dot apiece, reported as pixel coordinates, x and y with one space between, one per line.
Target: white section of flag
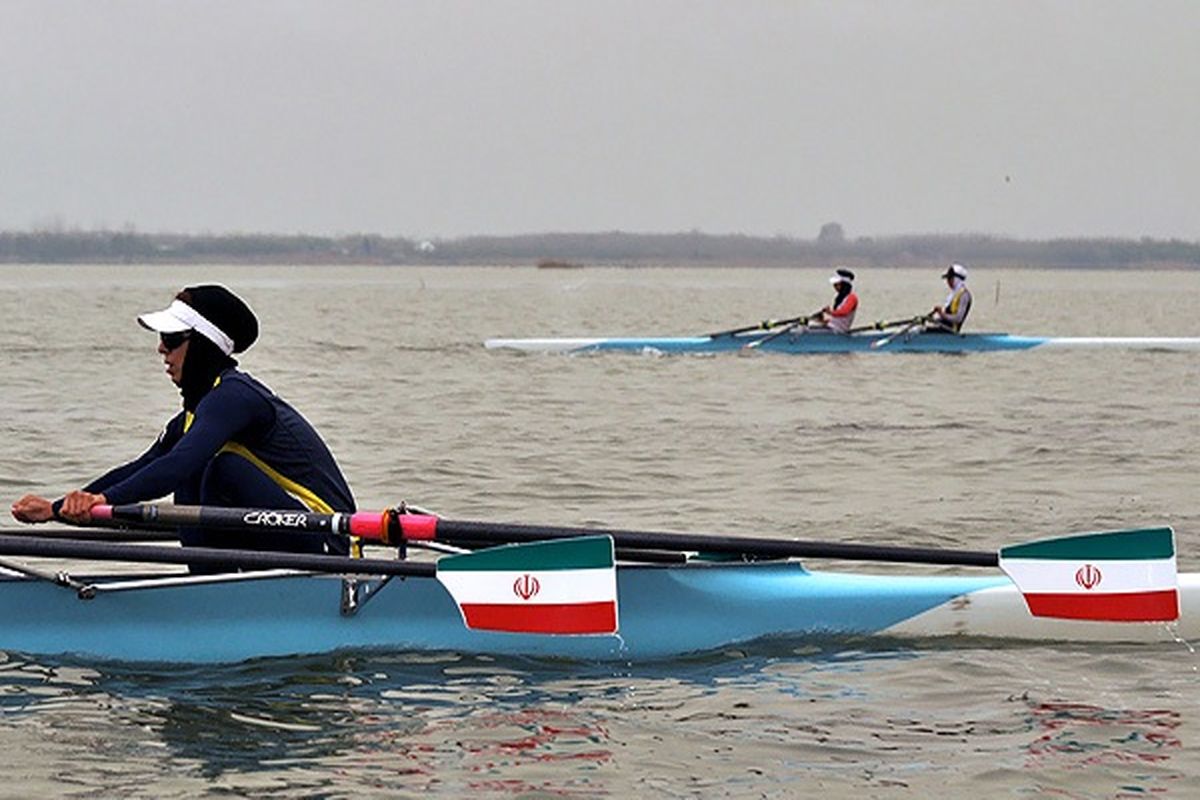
1052 576
564 586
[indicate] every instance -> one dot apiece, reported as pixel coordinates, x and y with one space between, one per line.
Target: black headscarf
201 366
204 360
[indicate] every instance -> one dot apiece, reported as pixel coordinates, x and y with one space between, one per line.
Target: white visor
179 317
836 279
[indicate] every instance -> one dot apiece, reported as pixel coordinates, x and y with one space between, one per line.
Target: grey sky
1035 119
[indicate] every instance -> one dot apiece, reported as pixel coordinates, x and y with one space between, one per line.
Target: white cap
956 270
179 317
842 275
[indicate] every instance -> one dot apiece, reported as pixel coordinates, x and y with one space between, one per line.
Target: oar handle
366 524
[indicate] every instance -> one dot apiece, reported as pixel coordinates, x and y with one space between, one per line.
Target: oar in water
914 322
765 325
1117 575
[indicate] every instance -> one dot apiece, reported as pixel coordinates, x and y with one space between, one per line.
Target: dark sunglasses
171 341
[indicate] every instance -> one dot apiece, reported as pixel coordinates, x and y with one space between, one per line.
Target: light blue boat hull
823 342
816 342
664 612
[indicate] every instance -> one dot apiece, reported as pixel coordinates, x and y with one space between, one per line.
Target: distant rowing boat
810 342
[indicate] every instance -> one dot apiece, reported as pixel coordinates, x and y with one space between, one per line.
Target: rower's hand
32 508
77 506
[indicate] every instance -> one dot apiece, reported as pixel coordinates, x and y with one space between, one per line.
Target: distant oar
885 341
766 325
800 322
881 325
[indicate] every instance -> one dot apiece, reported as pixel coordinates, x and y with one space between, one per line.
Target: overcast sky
445 118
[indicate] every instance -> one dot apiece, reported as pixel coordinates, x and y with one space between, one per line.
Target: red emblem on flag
526 586
1088 577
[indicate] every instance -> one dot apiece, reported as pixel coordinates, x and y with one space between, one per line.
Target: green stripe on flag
1131 545
584 552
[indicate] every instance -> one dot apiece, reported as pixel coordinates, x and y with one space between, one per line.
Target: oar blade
1113 576
560 587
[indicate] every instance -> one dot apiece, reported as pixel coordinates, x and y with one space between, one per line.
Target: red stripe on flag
1159 606
600 617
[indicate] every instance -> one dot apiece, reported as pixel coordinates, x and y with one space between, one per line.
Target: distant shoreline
576 250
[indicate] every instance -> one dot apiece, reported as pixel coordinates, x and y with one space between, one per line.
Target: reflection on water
410 723
1092 735
1135 744
738 722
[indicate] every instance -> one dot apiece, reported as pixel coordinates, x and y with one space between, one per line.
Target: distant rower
838 316
951 315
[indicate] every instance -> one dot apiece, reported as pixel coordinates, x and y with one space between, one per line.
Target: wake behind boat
562 593
823 341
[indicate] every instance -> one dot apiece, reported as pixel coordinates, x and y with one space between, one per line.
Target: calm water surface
965 451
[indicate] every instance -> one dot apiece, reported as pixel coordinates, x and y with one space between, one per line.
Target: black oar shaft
762 326
394 527
209 557
499 532
883 324
108 535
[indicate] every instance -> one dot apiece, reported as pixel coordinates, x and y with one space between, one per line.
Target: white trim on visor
179 316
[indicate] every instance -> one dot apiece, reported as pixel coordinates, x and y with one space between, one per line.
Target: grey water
967 451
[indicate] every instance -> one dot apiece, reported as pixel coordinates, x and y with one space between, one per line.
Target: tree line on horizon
613 248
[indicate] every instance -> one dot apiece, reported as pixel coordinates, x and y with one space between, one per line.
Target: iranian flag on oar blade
1119 576
565 586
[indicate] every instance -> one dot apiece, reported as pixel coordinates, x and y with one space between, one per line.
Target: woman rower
951 314
838 316
234 443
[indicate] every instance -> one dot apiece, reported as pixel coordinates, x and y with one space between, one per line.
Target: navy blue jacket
242 416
